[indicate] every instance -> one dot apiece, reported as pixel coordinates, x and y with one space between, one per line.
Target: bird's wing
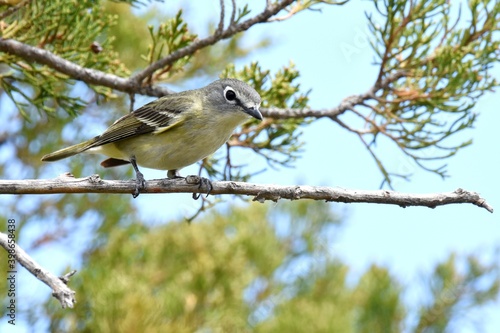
155 117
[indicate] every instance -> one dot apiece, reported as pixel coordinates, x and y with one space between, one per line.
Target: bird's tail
69 151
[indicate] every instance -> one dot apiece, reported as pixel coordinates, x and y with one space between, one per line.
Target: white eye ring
230 95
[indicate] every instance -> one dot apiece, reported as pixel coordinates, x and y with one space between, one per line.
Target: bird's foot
202 183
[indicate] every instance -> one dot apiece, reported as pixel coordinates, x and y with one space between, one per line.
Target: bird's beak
254 112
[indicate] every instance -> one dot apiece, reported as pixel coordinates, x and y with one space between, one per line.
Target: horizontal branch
60 290
261 192
348 103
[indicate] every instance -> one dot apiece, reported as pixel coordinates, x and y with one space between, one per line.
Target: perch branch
261 192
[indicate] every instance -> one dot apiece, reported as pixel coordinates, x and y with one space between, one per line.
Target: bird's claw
202 182
140 185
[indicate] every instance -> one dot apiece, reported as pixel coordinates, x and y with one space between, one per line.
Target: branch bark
88 75
60 290
261 192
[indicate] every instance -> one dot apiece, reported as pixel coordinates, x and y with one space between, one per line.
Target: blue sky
410 241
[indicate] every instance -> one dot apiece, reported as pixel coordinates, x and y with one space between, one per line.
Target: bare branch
348 103
289 113
261 192
60 290
292 11
303 5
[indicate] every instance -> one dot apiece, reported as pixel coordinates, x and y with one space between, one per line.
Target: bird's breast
177 147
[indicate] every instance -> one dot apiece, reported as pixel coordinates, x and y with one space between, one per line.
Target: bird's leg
172 174
140 181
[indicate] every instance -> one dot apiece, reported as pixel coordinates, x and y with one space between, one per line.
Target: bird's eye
230 94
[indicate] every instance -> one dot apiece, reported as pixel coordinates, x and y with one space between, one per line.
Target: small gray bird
173 131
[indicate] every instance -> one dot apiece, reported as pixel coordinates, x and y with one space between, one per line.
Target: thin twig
220 28
132 101
233 12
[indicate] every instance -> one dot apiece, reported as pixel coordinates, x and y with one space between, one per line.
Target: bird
173 131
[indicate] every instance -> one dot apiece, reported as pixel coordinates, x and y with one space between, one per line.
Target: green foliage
379 298
327 304
168 38
128 33
248 270
242 12
323 304
69 29
454 292
443 68
175 276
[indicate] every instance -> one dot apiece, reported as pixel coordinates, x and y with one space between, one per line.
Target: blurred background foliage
239 268
247 270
